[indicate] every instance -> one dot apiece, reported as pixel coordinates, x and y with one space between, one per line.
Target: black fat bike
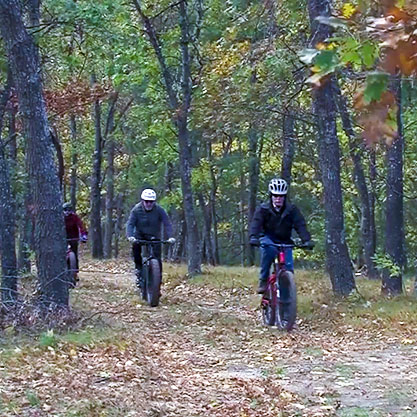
150 279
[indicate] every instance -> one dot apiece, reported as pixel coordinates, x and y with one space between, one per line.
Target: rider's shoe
262 287
139 278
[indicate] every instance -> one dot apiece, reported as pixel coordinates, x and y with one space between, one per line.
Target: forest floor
205 352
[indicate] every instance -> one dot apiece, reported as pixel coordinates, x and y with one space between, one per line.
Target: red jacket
74 226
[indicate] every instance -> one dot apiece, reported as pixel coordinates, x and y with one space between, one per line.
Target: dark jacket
278 225
144 224
74 226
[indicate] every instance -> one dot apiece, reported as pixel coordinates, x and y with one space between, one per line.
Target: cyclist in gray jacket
145 223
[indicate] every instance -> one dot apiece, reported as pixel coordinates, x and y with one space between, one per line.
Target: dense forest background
206 101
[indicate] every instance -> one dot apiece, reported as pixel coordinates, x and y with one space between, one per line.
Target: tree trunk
109 227
7 218
74 162
338 261
59 155
193 240
288 146
119 223
95 215
367 241
180 118
372 196
50 242
208 240
254 169
394 206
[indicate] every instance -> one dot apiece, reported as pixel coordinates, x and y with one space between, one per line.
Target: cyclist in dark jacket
145 222
273 222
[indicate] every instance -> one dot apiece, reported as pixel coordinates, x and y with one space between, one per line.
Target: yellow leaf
348 10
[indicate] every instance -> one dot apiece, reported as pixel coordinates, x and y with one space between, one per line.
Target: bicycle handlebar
149 242
287 245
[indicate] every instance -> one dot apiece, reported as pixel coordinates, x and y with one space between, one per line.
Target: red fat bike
279 301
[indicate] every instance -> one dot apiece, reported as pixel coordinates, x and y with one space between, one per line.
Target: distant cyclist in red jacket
75 228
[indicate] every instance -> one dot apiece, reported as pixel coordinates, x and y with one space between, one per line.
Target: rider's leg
268 254
289 260
74 247
137 257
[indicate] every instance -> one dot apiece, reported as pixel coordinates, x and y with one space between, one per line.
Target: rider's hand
171 240
83 238
309 244
254 241
131 239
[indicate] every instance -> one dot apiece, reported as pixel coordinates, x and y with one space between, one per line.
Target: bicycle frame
274 306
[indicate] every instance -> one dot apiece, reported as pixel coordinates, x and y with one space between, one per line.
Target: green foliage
376 84
48 339
385 262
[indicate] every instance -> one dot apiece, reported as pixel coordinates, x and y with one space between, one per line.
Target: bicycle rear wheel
72 269
286 312
269 306
153 283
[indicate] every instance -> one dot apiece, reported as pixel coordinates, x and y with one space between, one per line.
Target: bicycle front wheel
72 269
286 312
269 305
153 284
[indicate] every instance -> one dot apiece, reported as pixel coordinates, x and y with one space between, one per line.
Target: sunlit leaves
348 10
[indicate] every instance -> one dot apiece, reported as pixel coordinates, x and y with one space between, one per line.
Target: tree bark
7 217
109 140
288 146
367 240
254 170
181 109
338 261
96 237
50 242
74 161
394 206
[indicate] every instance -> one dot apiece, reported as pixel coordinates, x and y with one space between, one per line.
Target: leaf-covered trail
204 352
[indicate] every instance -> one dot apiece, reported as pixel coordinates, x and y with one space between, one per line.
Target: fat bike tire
72 269
286 312
268 307
153 284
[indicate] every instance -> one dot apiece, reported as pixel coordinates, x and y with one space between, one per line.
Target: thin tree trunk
394 206
212 205
119 223
7 217
254 169
180 118
95 216
360 181
372 197
74 161
338 261
50 242
288 146
109 227
208 241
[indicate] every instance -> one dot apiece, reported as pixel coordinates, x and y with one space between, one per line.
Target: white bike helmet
148 194
278 186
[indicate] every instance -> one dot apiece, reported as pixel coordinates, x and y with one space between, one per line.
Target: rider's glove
171 240
254 241
83 238
309 244
131 239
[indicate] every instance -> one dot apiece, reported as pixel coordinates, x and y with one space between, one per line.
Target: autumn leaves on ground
204 352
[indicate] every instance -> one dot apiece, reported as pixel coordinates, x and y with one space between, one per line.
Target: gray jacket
144 224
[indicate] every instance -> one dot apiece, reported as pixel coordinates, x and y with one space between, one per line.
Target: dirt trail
207 353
